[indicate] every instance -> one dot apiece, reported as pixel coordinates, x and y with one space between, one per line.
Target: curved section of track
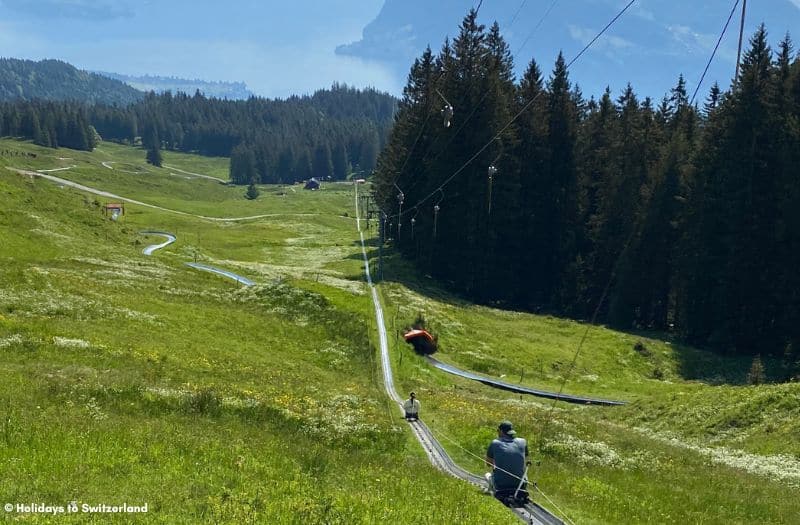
219 271
450 369
532 513
197 266
153 247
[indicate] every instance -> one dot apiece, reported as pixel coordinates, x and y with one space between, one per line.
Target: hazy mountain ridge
58 80
648 46
159 84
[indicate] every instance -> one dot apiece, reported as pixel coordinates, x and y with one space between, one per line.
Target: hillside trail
65 182
209 177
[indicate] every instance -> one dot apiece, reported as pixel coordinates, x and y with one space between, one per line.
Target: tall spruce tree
322 166
561 189
533 154
690 216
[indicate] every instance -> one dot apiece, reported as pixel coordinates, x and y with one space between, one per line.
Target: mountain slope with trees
147 83
57 80
329 134
668 216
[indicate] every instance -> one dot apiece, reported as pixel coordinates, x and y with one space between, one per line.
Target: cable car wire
713 53
475 108
514 18
520 112
538 24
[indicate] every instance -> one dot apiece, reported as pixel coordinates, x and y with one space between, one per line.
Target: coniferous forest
270 141
58 80
50 124
669 215
328 134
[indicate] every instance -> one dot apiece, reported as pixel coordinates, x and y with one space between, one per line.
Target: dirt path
196 174
95 191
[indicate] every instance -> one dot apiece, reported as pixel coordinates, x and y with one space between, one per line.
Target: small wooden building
114 209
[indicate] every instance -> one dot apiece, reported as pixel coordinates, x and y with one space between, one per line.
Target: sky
280 48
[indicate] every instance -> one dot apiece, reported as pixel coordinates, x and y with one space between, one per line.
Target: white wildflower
70 343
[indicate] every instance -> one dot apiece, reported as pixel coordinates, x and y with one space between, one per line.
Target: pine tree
713 100
152 143
154 155
322 167
339 161
562 190
252 191
533 152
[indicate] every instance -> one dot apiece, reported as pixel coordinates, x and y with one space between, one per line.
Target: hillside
227 90
124 374
110 354
57 80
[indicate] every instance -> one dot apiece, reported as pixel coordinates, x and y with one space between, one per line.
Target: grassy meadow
133 378
137 379
694 444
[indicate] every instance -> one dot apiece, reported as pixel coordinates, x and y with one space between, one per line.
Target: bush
205 402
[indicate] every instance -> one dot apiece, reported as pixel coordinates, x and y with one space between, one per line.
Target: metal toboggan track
531 513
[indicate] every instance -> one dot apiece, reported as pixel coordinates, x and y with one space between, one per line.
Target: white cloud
88 9
796 3
646 14
694 42
605 42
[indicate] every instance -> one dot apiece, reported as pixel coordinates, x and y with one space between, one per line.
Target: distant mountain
57 80
229 90
649 46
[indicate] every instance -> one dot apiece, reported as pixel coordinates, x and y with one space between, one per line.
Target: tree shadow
693 364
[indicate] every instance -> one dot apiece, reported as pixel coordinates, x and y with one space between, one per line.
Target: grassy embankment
695 444
137 379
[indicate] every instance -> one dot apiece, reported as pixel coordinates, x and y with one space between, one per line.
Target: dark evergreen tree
713 100
322 166
339 162
252 191
673 209
560 249
154 156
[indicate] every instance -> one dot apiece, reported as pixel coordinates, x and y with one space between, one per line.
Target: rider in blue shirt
506 455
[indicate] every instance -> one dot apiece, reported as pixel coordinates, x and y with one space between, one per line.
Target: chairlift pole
400 198
739 52
380 246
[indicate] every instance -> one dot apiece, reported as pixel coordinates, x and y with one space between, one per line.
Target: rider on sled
507 456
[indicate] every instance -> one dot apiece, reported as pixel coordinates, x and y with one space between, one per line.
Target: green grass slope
123 374
137 379
691 446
